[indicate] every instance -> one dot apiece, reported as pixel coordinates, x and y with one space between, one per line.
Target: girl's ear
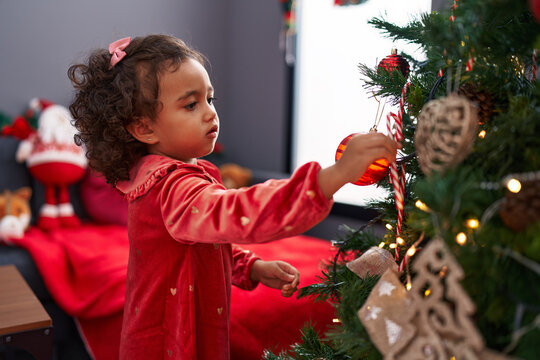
141 130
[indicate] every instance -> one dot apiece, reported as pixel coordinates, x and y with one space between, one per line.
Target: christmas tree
457 274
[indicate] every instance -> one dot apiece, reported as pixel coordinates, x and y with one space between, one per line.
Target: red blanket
84 269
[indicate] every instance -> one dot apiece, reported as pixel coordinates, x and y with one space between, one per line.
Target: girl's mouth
213 132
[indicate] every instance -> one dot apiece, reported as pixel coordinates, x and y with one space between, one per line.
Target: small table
24 323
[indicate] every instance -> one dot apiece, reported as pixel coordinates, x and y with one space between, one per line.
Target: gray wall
40 39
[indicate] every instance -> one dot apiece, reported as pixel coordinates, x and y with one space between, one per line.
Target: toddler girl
145 112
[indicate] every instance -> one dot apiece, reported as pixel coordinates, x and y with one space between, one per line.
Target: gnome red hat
39 105
55 160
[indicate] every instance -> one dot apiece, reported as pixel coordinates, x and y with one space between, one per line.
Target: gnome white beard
55 125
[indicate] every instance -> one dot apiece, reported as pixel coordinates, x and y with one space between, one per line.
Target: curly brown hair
108 100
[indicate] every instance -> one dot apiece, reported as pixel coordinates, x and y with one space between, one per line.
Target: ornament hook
377 115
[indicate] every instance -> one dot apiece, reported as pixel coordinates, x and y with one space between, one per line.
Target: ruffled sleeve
243 263
197 208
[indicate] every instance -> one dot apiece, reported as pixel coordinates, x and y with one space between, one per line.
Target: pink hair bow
116 49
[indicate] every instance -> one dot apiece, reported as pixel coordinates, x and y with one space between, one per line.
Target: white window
330 100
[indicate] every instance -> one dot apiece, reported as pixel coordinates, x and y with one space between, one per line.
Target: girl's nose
211 113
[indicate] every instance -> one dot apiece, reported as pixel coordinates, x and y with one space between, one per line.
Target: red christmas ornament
535 9
375 172
394 61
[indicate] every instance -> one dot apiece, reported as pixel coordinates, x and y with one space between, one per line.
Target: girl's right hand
361 151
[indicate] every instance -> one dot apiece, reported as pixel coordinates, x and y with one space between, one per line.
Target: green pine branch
500 265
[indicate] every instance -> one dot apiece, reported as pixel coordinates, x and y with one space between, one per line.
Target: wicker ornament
481 98
520 210
382 314
432 320
445 133
440 309
374 261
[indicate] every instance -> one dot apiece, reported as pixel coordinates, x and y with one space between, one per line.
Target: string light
400 241
336 320
381 245
392 245
389 227
513 185
419 204
427 292
511 181
461 238
408 286
473 223
443 271
482 134
411 251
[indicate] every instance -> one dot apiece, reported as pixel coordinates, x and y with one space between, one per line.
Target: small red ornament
394 61
535 9
375 172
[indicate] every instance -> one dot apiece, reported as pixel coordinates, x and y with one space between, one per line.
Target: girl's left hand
277 275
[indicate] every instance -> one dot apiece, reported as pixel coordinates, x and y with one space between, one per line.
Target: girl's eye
211 100
191 106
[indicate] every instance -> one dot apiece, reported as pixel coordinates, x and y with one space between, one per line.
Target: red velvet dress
182 224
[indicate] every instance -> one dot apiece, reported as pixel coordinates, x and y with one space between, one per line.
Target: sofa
68 344
260 319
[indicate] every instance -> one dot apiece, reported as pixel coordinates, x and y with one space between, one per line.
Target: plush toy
14 213
55 160
235 176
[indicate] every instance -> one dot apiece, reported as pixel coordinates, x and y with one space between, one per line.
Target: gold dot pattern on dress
244 220
169 352
310 194
137 310
288 228
169 222
194 210
191 288
219 310
173 291
138 252
216 246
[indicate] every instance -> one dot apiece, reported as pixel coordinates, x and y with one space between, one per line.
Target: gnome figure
56 161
